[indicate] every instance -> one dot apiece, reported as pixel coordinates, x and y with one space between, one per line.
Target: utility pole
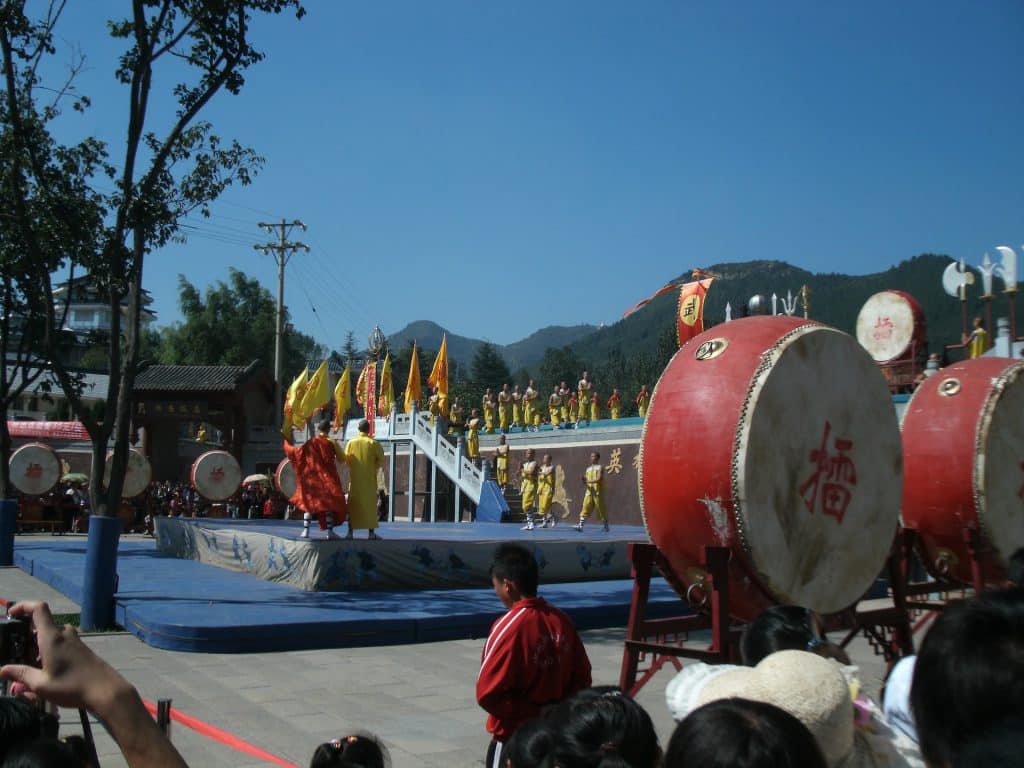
282 251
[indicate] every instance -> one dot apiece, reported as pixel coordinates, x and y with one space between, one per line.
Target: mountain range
835 299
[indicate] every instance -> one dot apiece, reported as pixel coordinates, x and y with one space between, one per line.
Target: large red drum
891 326
34 469
963 448
138 473
284 479
216 475
775 437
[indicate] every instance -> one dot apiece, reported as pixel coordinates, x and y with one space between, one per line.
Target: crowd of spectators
795 701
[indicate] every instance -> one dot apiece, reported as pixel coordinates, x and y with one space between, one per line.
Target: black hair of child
969 673
738 733
517 564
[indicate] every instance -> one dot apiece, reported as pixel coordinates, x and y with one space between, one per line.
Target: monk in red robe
318 484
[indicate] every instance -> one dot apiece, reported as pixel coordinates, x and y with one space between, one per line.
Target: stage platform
185 605
413 556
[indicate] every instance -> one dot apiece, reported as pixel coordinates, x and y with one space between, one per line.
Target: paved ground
418 698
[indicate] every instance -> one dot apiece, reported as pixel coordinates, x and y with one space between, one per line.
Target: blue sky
502 166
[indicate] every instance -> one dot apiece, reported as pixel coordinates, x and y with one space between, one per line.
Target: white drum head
885 326
35 469
999 464
285 480
818 470
137 475
216 475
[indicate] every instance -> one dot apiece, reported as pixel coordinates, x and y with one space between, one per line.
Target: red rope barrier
216 734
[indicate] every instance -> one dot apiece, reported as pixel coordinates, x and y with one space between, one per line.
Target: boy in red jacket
533 656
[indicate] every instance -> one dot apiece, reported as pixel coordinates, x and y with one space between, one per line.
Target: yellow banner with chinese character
690 317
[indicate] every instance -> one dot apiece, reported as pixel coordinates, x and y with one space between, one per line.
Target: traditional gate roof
196 378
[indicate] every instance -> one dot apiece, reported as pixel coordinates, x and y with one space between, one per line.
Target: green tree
57 205
558 365
488 368
233 324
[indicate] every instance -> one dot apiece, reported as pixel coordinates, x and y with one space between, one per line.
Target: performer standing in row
501 461
563 394
517 400
555 408
643 399
504 408
583 390
318 485
546 492
473 436
593 496
615 404
528 487
364 457
490 407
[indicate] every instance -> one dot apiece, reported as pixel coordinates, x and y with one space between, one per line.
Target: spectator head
44 752
323 426
22 722
360 750
786 628
603 727
531 746
739 733
969 673
1015 569
805 685
997 746
514 572
364 427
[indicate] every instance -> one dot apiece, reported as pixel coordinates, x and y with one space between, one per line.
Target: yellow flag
413 387
342 398
439 373
387 392
317 393
291 400
361 385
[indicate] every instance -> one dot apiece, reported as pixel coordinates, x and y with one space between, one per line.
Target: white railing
450 459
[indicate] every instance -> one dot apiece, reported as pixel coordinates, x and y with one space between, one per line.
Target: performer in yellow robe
643 399
595 406
555 408
502 455
473 435
490 408
517 400
318 486
583 390
593 495
573 409
563 393
615 404
528 486
364 457
546 492
531 417
455 422
977 342
504 409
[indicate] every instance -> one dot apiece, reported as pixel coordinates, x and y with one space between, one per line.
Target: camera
17 645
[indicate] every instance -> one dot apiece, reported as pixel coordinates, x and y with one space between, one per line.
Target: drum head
137 475
216 475
284 479
35 469
886 325
817 471
999 464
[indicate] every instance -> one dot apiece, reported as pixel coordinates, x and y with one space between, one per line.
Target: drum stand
665 641
920 592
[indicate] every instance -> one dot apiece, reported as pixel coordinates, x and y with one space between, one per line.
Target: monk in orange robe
318 488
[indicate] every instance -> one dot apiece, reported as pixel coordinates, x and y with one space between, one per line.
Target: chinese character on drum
837 471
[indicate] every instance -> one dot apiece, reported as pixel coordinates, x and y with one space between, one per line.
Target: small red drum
963 448
35 469
891 326
775 437
137 474
284 479
216 475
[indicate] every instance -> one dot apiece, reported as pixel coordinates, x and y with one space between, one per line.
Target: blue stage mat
184 605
